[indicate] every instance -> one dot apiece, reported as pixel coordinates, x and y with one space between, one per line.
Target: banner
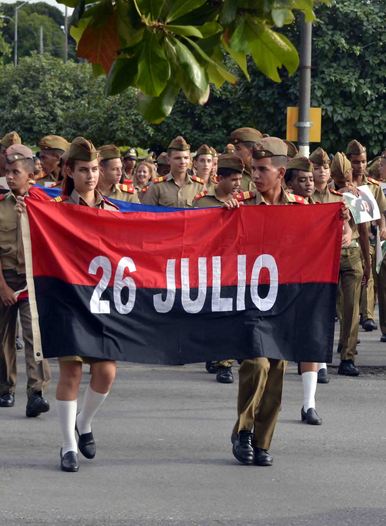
185 286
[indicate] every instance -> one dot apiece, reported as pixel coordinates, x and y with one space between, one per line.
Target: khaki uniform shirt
207 199
11 242
377 192
327 195
255 198
247 185
141 191
50 178
76 199
165 192
124 192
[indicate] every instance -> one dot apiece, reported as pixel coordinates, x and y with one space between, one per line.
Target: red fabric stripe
303 240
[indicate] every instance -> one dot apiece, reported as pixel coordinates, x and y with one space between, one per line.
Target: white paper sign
364 207
3 183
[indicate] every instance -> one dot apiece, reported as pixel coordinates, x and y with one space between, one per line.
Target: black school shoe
69 461
347 368
323 377
7 400
242 448
262 457
310 417
86 444
224 375
36 405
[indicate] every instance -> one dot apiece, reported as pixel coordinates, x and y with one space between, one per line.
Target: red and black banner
186 286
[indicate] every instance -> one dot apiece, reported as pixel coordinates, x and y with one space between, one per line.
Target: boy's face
85 175
244 152
179 161
111 171
302 183
49 160
322 173
265 175
358 163
17 177
230 184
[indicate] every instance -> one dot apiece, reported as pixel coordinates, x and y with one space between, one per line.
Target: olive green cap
18 152
300 163
270 147
109 151
373 168
229 148
204 149
10 138
319 156
131 153
340 165
162 159
355 148
179 143
232 161
214 151
53 142
245 135
292 151
82 150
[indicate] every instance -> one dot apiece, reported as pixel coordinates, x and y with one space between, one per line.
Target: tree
164 46
5 48
31 18
43 95
349 68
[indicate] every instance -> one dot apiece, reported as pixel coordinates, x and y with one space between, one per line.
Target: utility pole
304 123
15 36
41 41
65 35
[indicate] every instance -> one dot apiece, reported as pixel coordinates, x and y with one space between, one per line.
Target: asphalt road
164 455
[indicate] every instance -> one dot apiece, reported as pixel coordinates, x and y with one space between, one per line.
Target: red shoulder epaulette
201 195
214 179
129 189
373 181
60 198
127 181
335 192
197 179
299 199
145 189
159 179
244 196
110 203
2 197
41 175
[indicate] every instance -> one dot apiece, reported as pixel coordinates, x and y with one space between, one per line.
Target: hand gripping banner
185 286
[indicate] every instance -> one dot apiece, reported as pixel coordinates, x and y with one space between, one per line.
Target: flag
185 286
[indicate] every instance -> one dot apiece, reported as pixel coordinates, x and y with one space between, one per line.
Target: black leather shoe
36 404
224 375
347 368
323 377
311 417
262 457
86 444
242 448
369 325
7 400
383 338
211 367
69 461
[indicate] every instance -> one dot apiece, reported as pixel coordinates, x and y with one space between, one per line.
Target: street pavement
164 454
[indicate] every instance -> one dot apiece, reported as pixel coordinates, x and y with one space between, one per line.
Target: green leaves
163 46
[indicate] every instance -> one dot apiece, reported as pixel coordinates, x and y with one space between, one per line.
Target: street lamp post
17 7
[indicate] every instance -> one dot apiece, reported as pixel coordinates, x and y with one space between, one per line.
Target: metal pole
15 37
304 123
41 41
65 35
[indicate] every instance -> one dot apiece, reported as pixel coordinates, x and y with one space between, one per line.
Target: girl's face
85 175
143 174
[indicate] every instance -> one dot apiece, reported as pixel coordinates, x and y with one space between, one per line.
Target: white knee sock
309 380
91 403
67 415
322 366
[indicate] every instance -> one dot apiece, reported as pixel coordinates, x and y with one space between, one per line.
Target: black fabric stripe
300 327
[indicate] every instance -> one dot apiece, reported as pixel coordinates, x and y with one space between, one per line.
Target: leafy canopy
162 47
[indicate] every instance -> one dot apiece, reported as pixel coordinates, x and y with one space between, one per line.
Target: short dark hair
290 174
227 172
27 164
